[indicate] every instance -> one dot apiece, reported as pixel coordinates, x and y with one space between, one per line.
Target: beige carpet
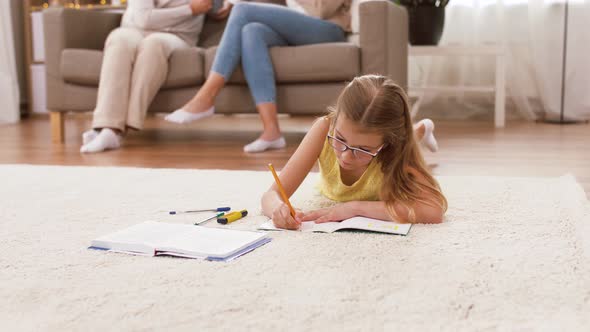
513 254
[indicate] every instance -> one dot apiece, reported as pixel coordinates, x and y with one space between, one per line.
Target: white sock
429 141
182 116
88 136
260 145
107 139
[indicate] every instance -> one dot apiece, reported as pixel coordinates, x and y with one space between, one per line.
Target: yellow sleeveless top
366 188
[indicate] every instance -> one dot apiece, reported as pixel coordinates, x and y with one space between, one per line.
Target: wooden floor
466 148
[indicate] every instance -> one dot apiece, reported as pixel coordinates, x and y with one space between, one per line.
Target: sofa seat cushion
82 67
329 62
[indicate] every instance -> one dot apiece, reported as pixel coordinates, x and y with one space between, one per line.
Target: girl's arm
146 16
425 213
294 173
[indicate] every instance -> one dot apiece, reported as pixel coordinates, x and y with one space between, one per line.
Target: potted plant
427 20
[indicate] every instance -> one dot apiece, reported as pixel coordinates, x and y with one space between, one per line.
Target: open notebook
362 223
155 238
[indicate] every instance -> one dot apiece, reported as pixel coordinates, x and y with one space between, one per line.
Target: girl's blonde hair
377 104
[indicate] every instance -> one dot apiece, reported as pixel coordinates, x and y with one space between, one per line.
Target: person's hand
335 213
281 218
223 12
199 7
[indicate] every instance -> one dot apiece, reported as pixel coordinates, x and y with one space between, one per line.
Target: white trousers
134 67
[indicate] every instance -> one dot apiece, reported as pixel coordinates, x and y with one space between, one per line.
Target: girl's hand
199 7
335 213
223 12
281 217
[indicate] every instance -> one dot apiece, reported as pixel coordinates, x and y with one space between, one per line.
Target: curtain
532 33
9 91
577 94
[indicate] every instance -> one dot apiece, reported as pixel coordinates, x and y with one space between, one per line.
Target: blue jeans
252 29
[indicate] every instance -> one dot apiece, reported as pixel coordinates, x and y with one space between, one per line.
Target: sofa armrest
383 39
71 28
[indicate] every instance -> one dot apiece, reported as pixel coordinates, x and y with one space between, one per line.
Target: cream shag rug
513 254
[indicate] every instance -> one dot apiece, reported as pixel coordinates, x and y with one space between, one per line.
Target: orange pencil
281 190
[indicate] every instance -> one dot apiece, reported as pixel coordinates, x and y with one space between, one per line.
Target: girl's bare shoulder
323 123
320 127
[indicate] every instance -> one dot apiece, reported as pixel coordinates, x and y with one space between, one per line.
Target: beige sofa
309 78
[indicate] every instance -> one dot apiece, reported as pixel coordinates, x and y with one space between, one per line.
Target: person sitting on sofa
135 65
251 30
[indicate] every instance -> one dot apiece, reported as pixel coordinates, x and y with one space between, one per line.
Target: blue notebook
155 239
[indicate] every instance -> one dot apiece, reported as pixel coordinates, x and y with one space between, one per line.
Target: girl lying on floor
369 161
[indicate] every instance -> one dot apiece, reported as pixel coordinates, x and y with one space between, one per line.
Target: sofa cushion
82 67
186 68
329 62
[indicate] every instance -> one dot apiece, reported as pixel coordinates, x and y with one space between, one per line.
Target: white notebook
155 238
362 223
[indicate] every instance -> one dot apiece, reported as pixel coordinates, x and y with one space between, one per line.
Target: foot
89 135
107 139
260 145
181 116
428 140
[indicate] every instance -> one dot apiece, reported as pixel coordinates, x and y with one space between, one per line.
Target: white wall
9 88
19 40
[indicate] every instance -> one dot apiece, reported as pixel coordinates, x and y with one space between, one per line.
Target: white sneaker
260 145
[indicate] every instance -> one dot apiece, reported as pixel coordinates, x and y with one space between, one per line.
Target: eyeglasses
359 154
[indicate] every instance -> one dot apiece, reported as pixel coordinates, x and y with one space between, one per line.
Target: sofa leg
57 126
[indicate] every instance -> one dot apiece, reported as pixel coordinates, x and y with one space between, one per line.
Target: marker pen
232 216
